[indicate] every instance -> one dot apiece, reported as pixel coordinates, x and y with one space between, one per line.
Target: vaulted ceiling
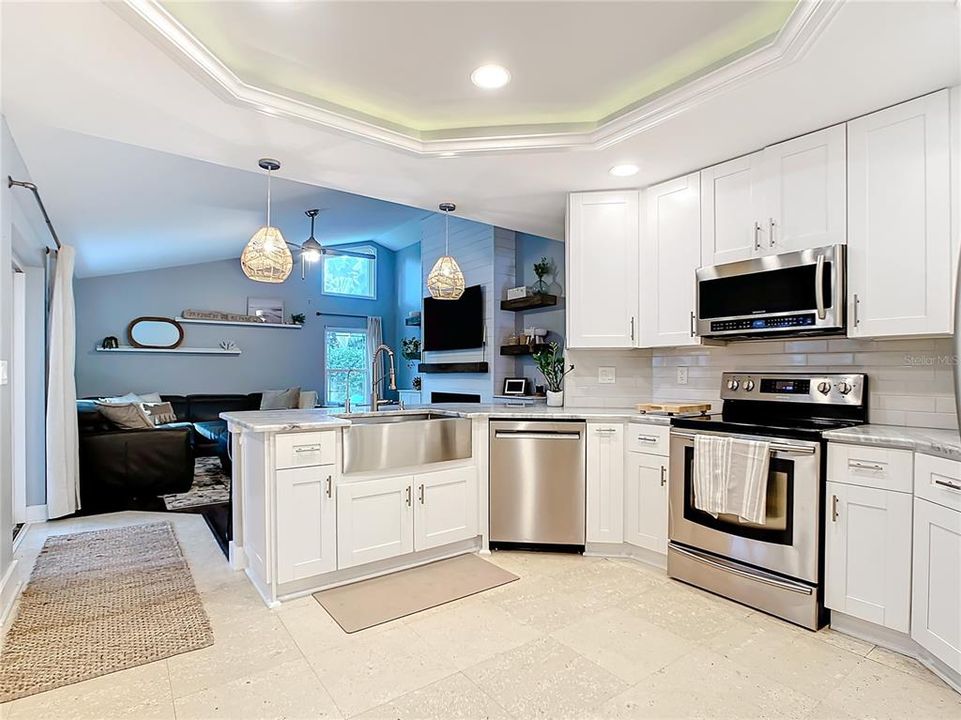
375 99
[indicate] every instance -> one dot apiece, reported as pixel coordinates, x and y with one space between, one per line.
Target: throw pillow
129 416
280 399
160 413
120 399
150 398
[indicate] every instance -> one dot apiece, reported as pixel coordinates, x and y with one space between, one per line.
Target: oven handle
775 447
780 584
819 288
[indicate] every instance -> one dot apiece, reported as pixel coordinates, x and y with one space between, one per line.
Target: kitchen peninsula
322 498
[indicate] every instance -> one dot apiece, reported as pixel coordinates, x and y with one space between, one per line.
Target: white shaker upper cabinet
900 260
731 208
670 256
805 191
602 283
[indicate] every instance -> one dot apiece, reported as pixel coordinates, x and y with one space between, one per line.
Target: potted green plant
550 362
298 318
410 348
542 268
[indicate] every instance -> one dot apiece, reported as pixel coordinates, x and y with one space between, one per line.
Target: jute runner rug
98 602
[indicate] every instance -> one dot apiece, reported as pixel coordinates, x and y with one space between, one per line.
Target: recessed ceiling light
490 77
624 170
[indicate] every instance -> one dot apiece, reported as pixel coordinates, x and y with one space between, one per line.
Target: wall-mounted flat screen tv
454 324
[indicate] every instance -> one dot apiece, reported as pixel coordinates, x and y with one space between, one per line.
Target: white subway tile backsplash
911 381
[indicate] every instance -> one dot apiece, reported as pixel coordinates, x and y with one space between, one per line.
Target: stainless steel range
777 565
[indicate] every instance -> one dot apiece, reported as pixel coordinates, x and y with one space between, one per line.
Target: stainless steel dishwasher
537 483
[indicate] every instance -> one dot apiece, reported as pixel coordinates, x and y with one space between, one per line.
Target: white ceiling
408 64
108 80
126 208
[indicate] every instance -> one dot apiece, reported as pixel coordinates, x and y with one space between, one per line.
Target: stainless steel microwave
797 293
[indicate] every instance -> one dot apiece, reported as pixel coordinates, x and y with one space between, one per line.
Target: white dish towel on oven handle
730 476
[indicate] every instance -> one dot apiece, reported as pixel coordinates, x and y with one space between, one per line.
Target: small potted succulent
551 364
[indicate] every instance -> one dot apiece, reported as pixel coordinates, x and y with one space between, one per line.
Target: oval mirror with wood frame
157 333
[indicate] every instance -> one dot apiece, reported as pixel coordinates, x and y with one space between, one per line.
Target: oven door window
771 291
779 525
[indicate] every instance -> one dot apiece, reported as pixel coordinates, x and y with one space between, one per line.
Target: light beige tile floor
573 638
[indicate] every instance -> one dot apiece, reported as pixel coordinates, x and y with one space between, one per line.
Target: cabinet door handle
422 494
947 483
663 476
408 496
771 226
605 431
646 438
693 332
632 329
857 307
757 236
834 508
865 466
330 488
307 448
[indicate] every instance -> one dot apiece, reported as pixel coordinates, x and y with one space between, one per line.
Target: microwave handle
819 288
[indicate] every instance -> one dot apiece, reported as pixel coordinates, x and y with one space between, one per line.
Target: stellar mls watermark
931 360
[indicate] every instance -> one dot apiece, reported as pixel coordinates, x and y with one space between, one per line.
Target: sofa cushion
202 408
213 430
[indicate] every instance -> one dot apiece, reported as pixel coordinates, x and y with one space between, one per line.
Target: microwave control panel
783 322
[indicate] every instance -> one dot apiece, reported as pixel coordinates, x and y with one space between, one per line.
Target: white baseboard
893 640
35 514
10 585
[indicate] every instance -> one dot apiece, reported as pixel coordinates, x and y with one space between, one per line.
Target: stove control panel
830 389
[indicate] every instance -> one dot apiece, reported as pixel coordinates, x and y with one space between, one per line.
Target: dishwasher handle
535 435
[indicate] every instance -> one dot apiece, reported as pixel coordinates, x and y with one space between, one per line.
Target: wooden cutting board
674 408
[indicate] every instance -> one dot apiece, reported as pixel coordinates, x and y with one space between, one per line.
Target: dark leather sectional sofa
119 466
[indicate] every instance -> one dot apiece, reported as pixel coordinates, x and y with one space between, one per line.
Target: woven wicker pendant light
446 281
266 257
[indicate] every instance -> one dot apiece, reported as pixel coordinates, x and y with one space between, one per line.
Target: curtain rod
36 193
336 314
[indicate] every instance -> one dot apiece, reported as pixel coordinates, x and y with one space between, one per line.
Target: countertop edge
929 441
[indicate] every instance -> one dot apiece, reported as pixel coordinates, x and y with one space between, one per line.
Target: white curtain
375 337
63 459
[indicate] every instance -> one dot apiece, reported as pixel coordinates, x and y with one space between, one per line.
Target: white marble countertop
326 418
932 441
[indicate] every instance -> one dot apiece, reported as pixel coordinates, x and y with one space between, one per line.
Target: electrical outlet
682 375
606 375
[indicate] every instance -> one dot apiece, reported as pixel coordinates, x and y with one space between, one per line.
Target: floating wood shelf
530 302
521 349
176 350
238 323
453 367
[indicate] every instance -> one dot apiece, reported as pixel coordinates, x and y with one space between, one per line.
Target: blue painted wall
271 358
409 299
529 250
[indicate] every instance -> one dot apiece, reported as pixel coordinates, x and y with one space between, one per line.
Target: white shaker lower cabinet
670 257
645 501
605 483
867 555
900 260
602 286
307 537
445 510
375 520
936 609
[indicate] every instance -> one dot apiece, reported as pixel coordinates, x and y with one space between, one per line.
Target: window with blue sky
351 276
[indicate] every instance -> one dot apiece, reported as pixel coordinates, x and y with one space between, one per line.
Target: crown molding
803 26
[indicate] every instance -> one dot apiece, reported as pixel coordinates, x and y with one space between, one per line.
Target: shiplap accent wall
473 245
910 380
